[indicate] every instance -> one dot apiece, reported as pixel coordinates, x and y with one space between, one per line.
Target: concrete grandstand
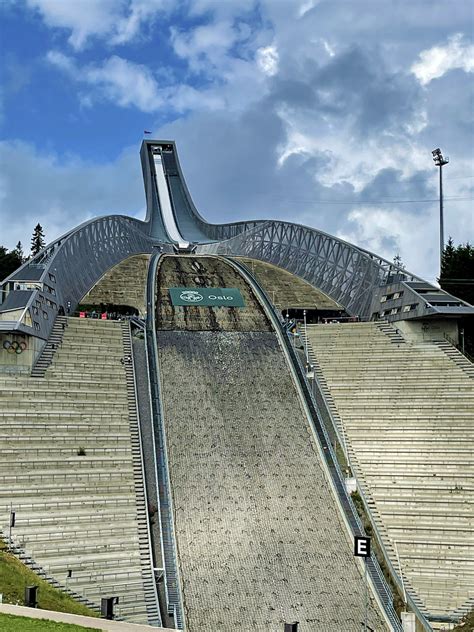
187 407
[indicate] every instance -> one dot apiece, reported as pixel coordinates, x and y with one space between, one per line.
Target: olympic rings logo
13 346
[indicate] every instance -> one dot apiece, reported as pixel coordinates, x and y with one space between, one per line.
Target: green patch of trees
11 260
457 278
457 270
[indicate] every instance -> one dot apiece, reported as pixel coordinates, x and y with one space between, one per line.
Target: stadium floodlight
440 161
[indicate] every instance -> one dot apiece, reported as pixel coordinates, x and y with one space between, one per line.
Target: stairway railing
173 594
153 607
448 338
322 405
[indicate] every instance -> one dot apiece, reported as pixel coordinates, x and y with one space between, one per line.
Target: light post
305 337
440 161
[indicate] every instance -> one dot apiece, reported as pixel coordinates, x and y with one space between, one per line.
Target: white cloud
126 84
117 21
438 60
267 60
328 48
117 80
224 8
83 18
61 192
61 61
388 232
205 47
139 12
306 6
229 55
346 158
183 98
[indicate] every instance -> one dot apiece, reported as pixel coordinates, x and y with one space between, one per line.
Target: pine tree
9 262
457 270
397 260
457 278
448 259
37 241
19 251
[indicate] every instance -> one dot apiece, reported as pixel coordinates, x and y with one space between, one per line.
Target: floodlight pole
440 161
441 218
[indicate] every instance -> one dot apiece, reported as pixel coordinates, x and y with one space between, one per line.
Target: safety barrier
171 570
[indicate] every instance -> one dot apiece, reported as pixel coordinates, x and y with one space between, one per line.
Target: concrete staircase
54 342
407 412
68 468
456 356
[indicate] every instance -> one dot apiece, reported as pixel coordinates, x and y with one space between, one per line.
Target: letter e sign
361 546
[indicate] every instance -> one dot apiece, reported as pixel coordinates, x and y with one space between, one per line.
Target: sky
320 112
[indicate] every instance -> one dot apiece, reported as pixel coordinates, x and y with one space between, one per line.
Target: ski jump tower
364 284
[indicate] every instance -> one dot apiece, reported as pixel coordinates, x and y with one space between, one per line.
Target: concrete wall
423 330
20 354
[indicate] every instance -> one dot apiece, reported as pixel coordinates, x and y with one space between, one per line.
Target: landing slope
260 540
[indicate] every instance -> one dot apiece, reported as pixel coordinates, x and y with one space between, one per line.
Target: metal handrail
331 460
170 560
142 472
342 441
395 576
458 347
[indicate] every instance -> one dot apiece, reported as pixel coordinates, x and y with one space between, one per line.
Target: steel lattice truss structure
69 267
349 275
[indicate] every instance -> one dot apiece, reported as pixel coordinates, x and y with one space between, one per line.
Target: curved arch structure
66 269
366 285
342 271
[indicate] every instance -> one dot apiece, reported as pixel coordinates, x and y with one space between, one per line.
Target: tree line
10 260
457 271
457 278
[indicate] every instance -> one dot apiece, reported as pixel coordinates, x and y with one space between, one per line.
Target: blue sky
322 112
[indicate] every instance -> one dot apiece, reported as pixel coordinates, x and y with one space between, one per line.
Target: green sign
207 296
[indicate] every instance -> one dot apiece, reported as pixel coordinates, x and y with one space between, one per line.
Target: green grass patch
15 576
10 623
467 623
